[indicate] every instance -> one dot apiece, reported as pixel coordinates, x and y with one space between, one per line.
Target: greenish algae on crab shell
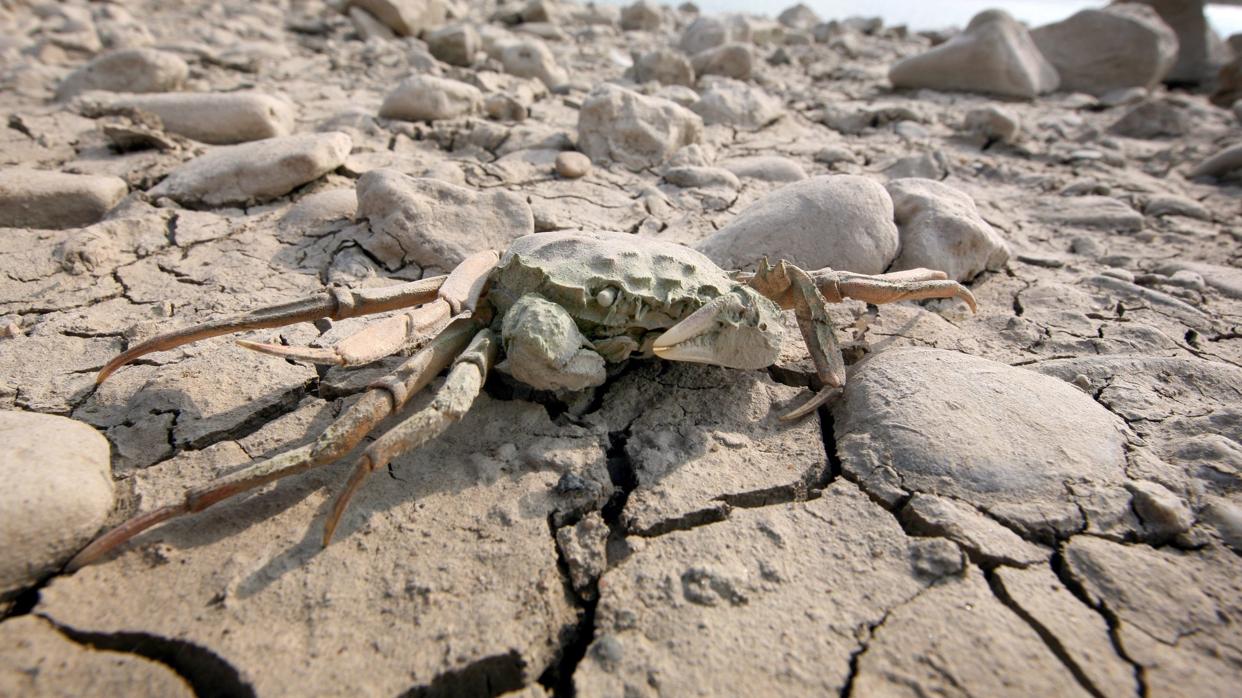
657 283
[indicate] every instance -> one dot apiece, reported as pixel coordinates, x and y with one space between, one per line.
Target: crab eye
606 296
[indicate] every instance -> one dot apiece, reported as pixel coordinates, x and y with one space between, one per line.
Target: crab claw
741 329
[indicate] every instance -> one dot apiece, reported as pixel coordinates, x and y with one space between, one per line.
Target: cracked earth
1043 498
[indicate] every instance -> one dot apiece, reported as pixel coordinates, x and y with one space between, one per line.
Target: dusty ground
1039 499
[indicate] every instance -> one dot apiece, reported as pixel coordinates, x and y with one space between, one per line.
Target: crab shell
615 288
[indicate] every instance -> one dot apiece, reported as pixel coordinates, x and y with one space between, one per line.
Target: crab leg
452 400
889 288
337 304
811 310
386 396
458 294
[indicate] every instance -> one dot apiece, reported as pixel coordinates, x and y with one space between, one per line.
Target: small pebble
571 164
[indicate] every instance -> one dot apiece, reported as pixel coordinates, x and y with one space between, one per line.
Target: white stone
620 125
941 229
733 60
531 58
1119 46
41 199
844 222
218 118
405 17
734 103
256 171
429 98
57 492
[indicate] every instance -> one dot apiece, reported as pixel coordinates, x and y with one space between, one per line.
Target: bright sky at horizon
940 14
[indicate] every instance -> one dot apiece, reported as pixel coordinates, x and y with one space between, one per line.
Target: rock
39 199
218 118
1089 212
405 17
933 165
572 165
1170 205
844 222
734 103
255 171
1226 518
455 45
733 60
664 65
835 154
619 125
37 660
709 32
899 426
992 124
994 55
1199 51
1227 280
127 70
1081 633
502 107
1225 162
1163 513
1119 46
1177 619
643 15
435 224
940 228
1228 92
696 176
531 58
983 538
958 633
1154 118
746 581
321 208
369 27
584 547
57 493
798 17
429 98
766 168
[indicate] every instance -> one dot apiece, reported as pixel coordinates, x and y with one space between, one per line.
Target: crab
556 308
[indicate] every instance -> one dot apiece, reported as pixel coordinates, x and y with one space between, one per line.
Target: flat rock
1154 118
762 603
734 103
939 422
1119 46
940 228
127 70
37 660
218 118
733 60
766 168
702 438
994 55
433 223
707 32
42 199
58 490
622 126
456 45
529 57
983 538
844 222
1227 161
1178 620
416 592
664 65
1227 280
429 98
958 634
256 171
1089 212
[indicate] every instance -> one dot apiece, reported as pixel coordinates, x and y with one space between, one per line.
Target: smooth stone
57 492
1089 212
218 118
405 17
709 32
992 124
994 55
1154 118
1116 47
127 70
41 199
798 16
735 103
429 98
433 223
1225 162
636 132
1002 439
530 57
572 164
643 15
1199 51
766 168
664 65
734 60
697 176
844 222
940 228
1171 205
256 171
1227 280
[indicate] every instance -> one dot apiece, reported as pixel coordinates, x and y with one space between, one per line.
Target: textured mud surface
1043 498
